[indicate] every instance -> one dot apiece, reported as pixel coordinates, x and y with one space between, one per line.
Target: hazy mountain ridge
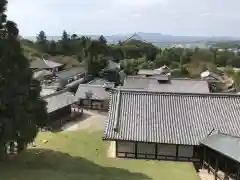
156 38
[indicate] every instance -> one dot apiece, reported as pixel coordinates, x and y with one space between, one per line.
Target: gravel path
90 120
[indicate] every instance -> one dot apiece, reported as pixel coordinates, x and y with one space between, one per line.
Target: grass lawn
73 156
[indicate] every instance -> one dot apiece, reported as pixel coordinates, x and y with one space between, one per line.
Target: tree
41 37
42 41
22 112
52 49
65 43
102 39
74 36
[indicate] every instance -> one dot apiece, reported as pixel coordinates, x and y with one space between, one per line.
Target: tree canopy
21 110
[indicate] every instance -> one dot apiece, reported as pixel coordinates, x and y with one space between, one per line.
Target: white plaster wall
185 151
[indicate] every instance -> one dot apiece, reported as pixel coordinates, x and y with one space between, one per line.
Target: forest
133 55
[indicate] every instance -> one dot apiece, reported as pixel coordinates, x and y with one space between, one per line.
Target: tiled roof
174 118
43 64
148 72
47 91
225 144
59 100
101 82
41 74
174 85
97 92
66 74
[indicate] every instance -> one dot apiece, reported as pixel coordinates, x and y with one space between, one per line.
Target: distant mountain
155 38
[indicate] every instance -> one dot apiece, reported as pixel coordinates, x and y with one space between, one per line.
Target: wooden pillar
225 171
136 149
209 163
204 156
156 151
177 147
216 169
238 172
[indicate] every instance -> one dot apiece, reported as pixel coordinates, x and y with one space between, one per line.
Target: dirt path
203 174
90 120
112 150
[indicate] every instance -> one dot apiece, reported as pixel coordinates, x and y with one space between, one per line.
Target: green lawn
72 156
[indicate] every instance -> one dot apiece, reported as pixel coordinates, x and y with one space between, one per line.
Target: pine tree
42 42
21 110
65 43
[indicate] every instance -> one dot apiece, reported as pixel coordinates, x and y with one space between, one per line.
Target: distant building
165 83
70 75
71 78
45 64
93 96
59 105
164 70
42 74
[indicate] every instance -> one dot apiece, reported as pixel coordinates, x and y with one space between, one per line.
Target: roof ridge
225 134
172 78
174 93
56 93
91 85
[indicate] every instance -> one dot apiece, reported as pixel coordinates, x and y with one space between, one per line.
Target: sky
107 17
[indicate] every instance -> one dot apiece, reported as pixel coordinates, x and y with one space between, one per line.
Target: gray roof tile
43 64
225 144
69 73
175 85
59 100
175 118
101 82
98 92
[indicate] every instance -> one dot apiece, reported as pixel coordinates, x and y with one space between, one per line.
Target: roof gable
59 100
225 144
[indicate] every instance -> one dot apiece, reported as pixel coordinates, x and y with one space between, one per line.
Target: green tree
52 49
42 42
22 112
74 36
65 43
102 39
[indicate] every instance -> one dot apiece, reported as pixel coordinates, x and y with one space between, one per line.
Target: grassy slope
73 156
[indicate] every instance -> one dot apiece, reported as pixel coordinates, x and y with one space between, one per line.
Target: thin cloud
211 17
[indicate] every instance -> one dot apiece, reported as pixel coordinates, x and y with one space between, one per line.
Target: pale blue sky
175 17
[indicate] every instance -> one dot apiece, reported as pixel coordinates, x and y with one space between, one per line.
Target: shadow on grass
49 164
58 126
